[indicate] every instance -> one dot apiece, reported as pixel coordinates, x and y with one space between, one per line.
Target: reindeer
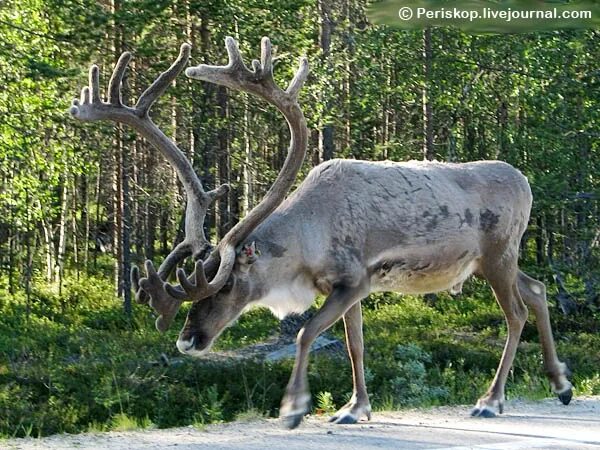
350 229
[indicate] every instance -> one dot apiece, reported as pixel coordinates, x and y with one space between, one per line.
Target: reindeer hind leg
533 293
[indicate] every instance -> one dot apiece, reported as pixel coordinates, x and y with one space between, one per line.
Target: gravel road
544 424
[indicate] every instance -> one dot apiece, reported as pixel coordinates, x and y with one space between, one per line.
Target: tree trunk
326 144
97 219
428 150
348 78
125 228
117 189
11 251
122 175
150 214
62 235
248 198
85 219
117 209
75 229
125 215
539 241
222 218
550 234
48 247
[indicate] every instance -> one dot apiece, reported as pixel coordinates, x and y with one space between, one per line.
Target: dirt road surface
545 424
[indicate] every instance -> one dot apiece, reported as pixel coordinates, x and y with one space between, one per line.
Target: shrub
72 362
325 403
411 385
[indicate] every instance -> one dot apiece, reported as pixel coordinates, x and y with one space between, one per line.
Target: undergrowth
72 362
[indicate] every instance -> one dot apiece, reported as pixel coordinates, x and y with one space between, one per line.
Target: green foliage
410 386
122 422
325 404
589 386
212 406
74 364
254 326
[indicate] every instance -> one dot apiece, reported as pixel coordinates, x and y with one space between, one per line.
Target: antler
258 81
91 107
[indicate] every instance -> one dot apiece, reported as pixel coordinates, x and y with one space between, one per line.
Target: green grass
122 422
75 363
250 415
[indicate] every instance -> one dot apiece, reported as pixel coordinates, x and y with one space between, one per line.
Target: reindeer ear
247 254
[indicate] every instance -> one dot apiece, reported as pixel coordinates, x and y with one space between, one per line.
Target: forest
81 203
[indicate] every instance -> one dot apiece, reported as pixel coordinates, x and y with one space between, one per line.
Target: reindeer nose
184 345
193 344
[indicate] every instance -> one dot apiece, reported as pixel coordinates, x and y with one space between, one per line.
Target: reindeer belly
423 279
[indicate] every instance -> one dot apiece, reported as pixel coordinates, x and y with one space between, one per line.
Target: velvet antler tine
266 58
176 292
233 52
218 193
95 84
85 96
150 270
299 79
200 274
256 67
74 109
187 285
163 81
114 85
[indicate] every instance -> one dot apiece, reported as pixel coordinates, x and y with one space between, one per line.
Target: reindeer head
219 302
207 318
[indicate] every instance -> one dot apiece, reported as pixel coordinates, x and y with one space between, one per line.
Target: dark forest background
71 194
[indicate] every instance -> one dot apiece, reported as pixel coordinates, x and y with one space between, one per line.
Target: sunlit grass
123 422
76 365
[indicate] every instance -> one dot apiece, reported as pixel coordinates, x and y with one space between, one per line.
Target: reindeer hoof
291 422
565 397
482 412
293 409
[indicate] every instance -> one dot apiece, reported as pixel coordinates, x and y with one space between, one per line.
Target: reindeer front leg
359 404
296 401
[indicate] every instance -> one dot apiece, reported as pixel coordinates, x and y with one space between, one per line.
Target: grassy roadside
73 363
